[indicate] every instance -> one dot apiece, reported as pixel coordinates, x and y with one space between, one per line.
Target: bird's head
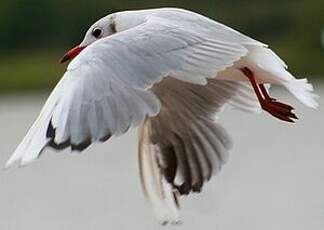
104 27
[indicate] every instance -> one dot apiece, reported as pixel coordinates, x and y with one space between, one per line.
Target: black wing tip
74 147
105 138
82 146
51 132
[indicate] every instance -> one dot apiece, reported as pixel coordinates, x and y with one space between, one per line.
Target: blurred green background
35 33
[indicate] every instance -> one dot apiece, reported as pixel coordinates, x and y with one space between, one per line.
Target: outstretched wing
106 89
184 146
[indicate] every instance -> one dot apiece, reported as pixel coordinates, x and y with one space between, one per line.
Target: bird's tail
303 91
269 68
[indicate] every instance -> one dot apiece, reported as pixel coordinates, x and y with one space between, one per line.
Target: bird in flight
169 72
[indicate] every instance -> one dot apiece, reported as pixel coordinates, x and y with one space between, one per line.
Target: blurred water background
274 179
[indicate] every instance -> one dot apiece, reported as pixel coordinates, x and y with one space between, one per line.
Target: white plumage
173 68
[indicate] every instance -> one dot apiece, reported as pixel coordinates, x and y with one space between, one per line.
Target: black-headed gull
169 71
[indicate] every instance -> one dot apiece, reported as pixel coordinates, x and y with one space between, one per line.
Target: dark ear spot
113 27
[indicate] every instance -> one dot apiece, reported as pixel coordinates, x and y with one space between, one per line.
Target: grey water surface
274 178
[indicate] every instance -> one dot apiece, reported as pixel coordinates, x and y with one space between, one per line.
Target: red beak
72 54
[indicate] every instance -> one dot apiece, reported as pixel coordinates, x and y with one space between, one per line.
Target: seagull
170 72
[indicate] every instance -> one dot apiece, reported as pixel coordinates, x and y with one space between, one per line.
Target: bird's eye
97 32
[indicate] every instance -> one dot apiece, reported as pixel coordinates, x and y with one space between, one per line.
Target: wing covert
106 89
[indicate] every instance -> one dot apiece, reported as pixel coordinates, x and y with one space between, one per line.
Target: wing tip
23 161
166 222
16 156
9 163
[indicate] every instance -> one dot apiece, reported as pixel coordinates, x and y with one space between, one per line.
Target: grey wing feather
106 89
185 137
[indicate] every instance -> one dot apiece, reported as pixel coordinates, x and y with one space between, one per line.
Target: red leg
267 97
253 81
265 93
277 109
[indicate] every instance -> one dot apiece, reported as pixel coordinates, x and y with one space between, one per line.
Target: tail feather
269 68
303 91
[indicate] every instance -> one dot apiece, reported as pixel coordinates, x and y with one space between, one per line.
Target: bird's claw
279 110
